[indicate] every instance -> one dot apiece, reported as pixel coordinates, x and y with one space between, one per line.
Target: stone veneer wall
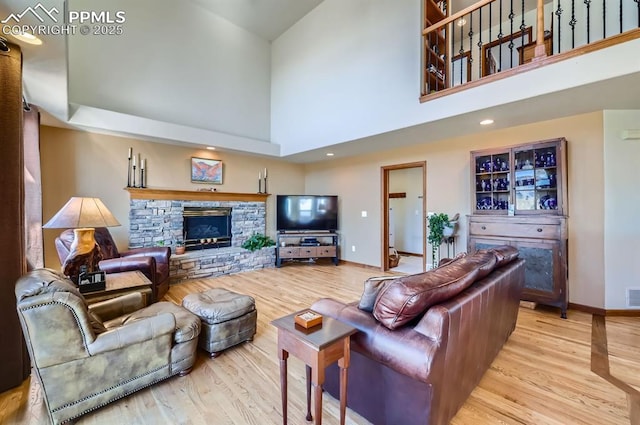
153 223
157 222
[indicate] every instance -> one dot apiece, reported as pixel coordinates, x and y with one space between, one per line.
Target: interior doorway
403 216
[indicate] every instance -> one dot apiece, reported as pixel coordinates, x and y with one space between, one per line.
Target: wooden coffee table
317 347
122 283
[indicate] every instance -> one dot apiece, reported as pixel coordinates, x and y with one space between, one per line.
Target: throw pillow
372 287
404 299
504 254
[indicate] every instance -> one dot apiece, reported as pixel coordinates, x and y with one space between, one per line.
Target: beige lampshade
82 212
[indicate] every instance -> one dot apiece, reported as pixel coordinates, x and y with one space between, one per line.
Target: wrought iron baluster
604 19
573 23
559 14
638 3
461 51
470 38
588 3
522 28
620 16
500 35
511 16
480 44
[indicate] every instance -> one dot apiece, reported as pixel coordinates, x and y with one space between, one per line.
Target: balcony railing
493 39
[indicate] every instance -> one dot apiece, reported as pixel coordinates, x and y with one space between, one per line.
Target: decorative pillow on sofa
372 287
504 254
406 298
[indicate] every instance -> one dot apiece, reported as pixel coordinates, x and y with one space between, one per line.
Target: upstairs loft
495 39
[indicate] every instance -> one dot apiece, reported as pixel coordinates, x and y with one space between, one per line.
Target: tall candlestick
142 163
129 169
265 173
135 161
259 182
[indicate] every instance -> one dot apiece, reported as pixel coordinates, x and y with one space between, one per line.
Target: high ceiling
165 78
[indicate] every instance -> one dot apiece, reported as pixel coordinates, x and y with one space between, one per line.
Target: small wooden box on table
120 284
317 346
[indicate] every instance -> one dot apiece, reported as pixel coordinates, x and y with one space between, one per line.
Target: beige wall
77 163
357 182
622 207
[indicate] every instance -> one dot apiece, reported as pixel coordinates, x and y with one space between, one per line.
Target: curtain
32 189
14 361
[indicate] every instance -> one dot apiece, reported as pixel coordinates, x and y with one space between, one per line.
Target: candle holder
129 173
142 178
265 185
134 176
259 185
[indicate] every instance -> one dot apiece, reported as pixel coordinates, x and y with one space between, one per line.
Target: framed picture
206 170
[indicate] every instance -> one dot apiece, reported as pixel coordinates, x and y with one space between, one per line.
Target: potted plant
258 241
180 248
437 225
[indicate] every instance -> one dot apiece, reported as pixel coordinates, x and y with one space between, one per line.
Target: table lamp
82 215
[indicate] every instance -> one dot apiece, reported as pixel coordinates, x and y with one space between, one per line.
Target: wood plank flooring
542 376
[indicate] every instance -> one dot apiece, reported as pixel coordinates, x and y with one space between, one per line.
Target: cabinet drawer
326 251
515 230
308 251
289 252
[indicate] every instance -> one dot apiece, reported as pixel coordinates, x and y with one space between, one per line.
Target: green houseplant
258 241
437 224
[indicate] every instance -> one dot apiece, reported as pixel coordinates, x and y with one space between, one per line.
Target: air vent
633 297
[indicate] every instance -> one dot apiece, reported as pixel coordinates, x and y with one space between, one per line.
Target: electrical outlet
353 248
364 213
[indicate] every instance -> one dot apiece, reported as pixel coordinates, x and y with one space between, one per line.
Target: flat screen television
306 212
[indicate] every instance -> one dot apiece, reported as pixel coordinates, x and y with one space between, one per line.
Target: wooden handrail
456 15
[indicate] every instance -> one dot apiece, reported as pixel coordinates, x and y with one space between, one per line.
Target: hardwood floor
542 375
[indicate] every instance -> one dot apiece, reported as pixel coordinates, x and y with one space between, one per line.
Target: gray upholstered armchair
86 357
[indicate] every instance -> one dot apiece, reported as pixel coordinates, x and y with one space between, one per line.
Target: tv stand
306 245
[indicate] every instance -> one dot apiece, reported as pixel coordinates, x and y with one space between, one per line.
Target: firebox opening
206 227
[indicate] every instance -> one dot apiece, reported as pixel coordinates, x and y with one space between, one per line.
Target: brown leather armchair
86 357
153 262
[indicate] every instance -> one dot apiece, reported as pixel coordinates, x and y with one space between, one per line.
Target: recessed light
461 22
486 122
211 148
329 153
27 38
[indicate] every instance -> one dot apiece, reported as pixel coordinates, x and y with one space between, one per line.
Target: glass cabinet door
535 175
492 177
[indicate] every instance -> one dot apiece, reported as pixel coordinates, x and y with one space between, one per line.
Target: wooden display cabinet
519 198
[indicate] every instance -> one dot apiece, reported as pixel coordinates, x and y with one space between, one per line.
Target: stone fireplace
212 225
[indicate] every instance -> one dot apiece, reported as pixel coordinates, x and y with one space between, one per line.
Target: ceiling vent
633 297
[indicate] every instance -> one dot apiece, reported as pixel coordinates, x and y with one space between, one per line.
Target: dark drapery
14 363
33 189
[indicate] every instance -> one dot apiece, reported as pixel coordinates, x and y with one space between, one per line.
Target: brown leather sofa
153 262
86 357
412 364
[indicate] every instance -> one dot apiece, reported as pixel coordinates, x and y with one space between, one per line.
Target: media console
309 245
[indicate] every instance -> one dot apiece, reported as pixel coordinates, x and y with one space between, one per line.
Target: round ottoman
227 318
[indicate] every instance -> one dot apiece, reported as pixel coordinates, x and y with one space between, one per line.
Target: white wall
187 67
621 207
351 69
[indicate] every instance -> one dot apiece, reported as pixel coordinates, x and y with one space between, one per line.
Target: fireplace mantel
193 195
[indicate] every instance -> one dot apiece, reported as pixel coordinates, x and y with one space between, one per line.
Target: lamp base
83 253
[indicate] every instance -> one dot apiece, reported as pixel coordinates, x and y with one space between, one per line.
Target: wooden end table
122 283
317 347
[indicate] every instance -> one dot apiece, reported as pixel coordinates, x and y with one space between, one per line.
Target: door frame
384 184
